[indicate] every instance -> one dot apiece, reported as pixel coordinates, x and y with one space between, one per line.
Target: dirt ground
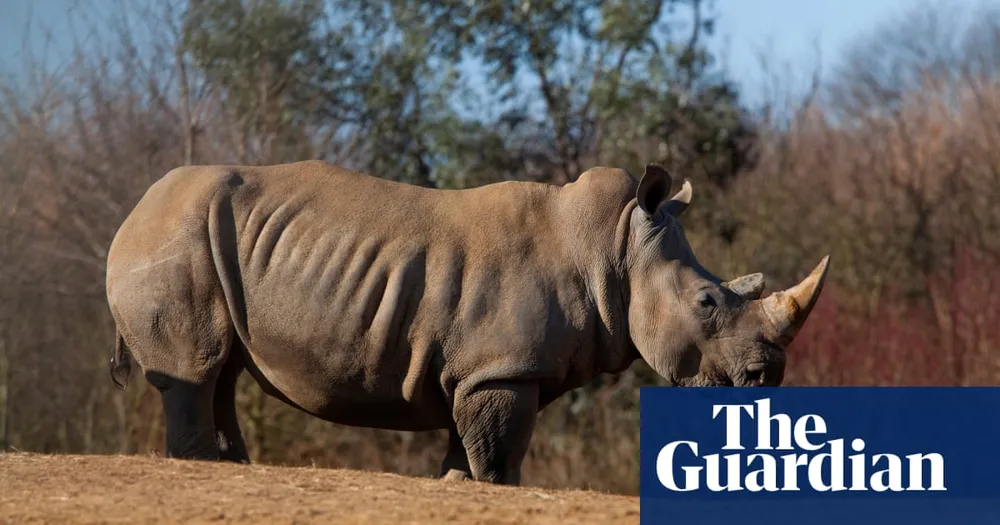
39 489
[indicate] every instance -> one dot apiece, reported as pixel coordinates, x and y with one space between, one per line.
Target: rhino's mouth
704 380
763 365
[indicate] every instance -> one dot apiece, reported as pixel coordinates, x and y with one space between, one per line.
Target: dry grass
65 489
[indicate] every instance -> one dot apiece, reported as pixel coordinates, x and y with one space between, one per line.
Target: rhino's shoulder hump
601 186
605 173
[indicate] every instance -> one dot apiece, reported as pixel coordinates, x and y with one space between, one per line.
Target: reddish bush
947 338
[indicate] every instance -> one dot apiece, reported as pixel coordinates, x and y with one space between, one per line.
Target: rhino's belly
352 384
347 405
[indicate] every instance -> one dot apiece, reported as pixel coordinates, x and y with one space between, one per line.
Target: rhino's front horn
788 309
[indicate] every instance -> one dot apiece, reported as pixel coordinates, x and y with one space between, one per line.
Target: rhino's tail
121 364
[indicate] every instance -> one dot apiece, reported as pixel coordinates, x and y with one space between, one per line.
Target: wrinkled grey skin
373 303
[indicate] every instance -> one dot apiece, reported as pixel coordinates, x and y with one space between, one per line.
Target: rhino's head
691 327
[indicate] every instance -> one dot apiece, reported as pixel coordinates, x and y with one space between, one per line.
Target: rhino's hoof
456 475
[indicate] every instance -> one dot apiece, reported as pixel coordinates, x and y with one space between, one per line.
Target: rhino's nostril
764 374
756 373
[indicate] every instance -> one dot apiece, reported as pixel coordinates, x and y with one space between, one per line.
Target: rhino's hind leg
176 324
496 421
227 426
201 415
455 466
188 410
184 359
167 283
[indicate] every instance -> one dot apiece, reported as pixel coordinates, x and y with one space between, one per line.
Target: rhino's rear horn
748 287
788 309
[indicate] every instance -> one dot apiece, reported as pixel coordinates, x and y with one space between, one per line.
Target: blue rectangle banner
819 455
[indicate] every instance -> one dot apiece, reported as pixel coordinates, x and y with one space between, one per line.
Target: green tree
275 66
584 81
458 93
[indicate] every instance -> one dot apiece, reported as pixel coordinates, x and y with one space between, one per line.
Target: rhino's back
339 244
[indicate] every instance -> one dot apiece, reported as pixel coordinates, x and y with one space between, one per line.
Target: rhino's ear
678 203
654 188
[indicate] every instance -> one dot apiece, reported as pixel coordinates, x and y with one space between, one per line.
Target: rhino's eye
706 303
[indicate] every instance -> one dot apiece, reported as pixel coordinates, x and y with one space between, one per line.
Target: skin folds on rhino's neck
601 246
623 232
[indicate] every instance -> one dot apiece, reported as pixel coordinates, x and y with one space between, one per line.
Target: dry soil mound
135 489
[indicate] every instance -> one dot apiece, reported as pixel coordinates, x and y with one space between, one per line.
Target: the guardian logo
809 457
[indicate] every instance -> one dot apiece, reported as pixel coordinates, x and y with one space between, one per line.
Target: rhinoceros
370 302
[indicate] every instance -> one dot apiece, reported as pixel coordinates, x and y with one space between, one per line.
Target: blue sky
788 30
795 34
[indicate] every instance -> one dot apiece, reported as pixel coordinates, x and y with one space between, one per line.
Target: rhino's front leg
495 422
455 466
